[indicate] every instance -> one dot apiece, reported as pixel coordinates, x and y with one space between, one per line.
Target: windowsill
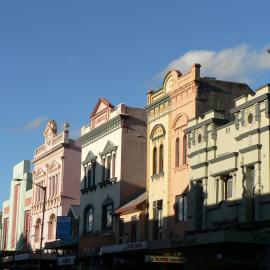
91 188
107 182
181 167
157 176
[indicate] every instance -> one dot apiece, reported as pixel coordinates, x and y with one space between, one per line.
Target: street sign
63 227
164 259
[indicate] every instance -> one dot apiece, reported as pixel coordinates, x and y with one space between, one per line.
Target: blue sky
58 57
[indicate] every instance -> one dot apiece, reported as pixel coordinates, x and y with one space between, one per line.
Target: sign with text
164 259
63 227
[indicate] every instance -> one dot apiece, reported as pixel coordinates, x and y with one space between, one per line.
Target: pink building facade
56 167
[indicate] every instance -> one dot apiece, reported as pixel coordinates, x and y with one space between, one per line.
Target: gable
109 147
90 157
101 112
101 105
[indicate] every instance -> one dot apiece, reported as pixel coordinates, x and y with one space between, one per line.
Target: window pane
229 188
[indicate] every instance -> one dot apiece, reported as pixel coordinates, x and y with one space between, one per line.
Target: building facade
230 188
57 168
113 168
181 98
16 215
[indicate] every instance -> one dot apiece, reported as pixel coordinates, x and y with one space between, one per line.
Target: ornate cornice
103 130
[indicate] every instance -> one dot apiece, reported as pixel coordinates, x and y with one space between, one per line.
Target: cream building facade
113 169
229 163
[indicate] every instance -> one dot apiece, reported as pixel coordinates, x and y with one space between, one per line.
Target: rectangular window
113 166
26 226
89 176
108 167
103 169
121 227
250 181
107 221
133 228
5 234
227 185
157 219
181 208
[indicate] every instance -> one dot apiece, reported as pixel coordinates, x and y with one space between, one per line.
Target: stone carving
53 166
50 131
157 132
39 173
66 126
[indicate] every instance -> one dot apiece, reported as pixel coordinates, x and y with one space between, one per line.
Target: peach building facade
181 98
56 167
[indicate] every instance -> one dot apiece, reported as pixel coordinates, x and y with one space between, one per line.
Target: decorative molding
39 173
109 147
216 121
250 103
54 165
89 158
224 157
157 132
199 165
103 130
250 148
157 176
224 172
202 151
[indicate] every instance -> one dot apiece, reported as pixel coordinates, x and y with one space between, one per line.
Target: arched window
161 158
185 149
154 161
51 227
177 152
89 219
37 230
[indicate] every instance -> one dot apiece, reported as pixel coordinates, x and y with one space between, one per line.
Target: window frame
86 216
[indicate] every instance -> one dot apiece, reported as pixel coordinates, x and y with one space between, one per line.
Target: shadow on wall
23 244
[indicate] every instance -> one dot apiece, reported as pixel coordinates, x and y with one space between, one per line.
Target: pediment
54 165
101 106
157 132
89 158
180 121
109 147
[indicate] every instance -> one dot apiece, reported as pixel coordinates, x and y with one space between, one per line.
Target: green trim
103 130
157 102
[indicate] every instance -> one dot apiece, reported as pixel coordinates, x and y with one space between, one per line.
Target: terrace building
16 213
229 196
169 109
56 167
113 170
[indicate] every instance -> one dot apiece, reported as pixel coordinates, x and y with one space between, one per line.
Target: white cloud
34 124
240 63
